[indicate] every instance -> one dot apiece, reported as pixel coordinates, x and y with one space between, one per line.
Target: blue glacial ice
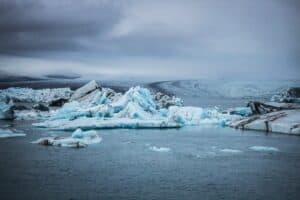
137 108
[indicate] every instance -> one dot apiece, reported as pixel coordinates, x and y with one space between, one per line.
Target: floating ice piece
6 133
231 151
263 148
78 139
160 149
191 116
285 121
99 123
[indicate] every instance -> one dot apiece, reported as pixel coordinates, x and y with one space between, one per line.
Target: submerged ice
78 139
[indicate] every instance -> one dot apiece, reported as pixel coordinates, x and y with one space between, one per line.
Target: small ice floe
263 148
78 139
231 151
159 149
6 133
206 154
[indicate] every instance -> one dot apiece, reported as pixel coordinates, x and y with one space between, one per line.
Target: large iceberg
95 107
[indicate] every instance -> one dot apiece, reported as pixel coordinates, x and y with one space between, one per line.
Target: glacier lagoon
208 161
123 166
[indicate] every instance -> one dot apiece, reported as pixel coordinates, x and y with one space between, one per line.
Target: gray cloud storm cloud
158 39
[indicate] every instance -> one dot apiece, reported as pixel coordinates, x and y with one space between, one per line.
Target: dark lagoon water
206 162
123 166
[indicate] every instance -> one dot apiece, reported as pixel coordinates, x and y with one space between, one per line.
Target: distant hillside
62 76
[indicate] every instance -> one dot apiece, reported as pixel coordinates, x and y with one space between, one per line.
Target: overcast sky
152 39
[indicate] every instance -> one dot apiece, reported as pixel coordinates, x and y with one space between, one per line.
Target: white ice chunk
231 151
78 139
6 133
263 148
159 149
137 95
197 116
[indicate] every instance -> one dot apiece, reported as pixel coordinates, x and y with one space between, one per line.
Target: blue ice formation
137 108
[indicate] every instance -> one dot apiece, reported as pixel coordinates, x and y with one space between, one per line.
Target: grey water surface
123 166
207 162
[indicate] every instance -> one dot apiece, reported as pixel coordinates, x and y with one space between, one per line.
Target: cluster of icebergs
92 107
27 103
96 107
